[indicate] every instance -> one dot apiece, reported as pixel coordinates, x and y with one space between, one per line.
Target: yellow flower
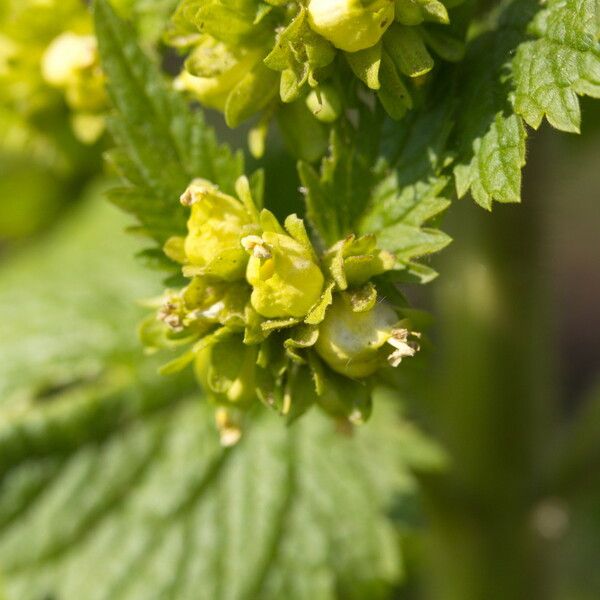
351 25
71 63
285 278
216 226
218 71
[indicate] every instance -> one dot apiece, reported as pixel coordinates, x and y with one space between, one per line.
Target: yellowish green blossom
286 281
214 70
267 318
216 226
351 25
242 55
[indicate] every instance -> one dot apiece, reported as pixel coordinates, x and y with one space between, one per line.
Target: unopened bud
354 343
351 25
222 69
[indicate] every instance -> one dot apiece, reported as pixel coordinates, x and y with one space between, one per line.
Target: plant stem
492 404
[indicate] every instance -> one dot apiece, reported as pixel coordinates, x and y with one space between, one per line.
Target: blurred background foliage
510 389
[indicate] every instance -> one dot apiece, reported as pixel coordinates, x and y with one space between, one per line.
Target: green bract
325 103
227 369
265 317
242 55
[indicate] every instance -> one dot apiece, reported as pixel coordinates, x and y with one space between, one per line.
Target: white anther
196 191
256 246
403 347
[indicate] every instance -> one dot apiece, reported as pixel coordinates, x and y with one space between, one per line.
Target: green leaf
394 199
562 63
494 172
162 144
490 139
113 483
337 195
158 509
68 305
508 79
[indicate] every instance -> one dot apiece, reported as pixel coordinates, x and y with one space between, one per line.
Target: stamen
169 316
256 246
196 191
403 346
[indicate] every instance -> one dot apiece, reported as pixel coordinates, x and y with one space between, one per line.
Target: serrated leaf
564 62
337 195
162 144
160 510
490 139
508 79
393 199
68 330
149 16
494 172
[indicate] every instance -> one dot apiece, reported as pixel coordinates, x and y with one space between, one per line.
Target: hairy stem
493 405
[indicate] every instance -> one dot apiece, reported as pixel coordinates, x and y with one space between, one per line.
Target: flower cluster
71 64
265 317
49 47
246 55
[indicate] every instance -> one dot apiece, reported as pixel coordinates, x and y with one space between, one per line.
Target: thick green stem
492 403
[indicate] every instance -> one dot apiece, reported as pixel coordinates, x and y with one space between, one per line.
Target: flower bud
66 56
71 63
414 12
354 343
215 229
221 69
227 369
286 280
351 25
